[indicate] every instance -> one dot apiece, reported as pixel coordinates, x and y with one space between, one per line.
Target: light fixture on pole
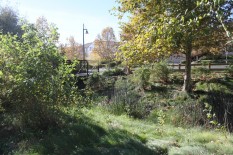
84 30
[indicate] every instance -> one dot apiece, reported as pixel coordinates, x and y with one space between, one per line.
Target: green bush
34 78
99 88
112 64
104 62
113 72
201 72
130 93
142 76
127 99
95 81
160 72
185 110
177 78
230 70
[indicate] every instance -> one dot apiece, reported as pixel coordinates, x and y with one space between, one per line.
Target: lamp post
84 30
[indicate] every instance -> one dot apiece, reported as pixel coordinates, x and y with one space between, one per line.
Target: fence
210 66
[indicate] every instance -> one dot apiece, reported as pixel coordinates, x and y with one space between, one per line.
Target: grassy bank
142 113
96 131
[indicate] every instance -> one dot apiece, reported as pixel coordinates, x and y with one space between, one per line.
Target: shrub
99 88
95 82
177 78
130 95
185 110
230 70
141 76
201 72
127 99
113 72
160 72
104 62
35 78
112 64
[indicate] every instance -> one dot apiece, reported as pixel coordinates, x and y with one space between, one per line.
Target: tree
42 25
46 29
9 21
94 56
159 28
105 44
72 50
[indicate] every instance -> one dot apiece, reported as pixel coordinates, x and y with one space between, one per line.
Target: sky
70 15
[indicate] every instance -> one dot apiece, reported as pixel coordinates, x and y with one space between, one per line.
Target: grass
165 137
174 139
96 131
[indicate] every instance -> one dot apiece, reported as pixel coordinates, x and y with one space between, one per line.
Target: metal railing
86 67
210 66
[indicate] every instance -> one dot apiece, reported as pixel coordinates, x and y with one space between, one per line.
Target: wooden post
209 66
179 67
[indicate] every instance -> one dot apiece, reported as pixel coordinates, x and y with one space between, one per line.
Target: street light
84 30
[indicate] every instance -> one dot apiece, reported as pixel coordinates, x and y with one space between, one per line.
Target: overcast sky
70 15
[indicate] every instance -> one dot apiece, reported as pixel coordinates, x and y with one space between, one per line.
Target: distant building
88 49
176 58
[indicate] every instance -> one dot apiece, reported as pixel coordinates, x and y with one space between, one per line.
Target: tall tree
9 21
46 29
42 25
105 44
159 28
72 50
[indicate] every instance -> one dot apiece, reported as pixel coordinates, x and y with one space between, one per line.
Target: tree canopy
72 50
105 45
9 21
159 28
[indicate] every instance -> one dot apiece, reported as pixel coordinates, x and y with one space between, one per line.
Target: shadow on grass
227 82
221 101
76 135
159 89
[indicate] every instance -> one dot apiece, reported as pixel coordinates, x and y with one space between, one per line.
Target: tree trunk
187 87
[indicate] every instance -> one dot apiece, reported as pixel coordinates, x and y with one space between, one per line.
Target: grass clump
190 150
205 137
